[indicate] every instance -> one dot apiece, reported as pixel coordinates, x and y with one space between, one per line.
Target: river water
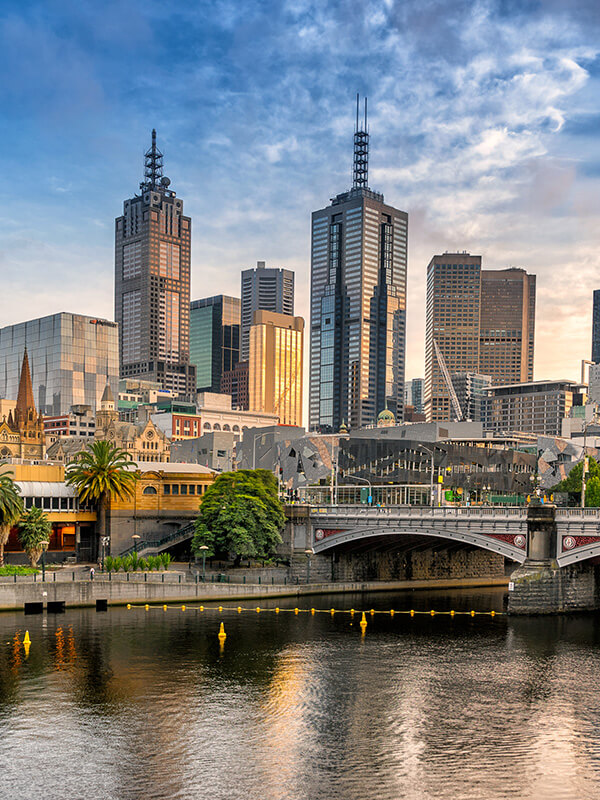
146 704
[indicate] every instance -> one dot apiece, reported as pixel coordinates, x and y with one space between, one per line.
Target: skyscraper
275 366
214 339
413 394
358 303
483 322
596 328
264 289
152 283
70 357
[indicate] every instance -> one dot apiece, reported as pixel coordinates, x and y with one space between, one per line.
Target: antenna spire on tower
360 172
153 166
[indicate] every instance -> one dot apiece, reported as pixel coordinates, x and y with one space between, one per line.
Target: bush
165 559
142 565
117 563
109 563
154 562
14 569
134 561
127 563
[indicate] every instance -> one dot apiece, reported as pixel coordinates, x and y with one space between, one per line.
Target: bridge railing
443 512
593 513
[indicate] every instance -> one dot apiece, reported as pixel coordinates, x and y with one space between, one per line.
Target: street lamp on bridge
364 480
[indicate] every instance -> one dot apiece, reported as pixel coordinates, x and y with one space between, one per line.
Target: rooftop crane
448 381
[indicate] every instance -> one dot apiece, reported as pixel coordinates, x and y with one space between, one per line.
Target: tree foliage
572 483
11 508
240 514
34 528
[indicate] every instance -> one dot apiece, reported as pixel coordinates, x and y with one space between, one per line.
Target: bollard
127 577
272 581
54 578
285 581
110 577
163 577
73 576
244 580
196 580
145 577
180 577
15 578
34 578
259 580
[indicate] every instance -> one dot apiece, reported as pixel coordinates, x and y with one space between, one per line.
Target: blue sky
484 120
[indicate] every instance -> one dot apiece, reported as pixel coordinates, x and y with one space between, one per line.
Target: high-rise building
214 339
482 321
152 283
471 391
70 357
264 289
596 328
275 366
234 382
507 325
413 394
358 304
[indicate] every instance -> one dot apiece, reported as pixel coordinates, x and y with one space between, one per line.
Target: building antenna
360 172
153 166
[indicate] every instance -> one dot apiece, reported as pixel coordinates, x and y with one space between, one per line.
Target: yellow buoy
296 611
492 613
201 608
363 622
146 606
26 639
239 609
372 611
452 613
312 611
26 646
332 611
128 605
391 612
277 611
164 608
351 612
222 635
258 609
432 612
472 613
220 608
183 608
412 613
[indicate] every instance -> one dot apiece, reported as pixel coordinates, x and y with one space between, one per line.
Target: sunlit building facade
264 289
214 339
152 283
275 366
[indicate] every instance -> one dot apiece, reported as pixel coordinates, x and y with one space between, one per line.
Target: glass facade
70 358
214 339
596 328
264 289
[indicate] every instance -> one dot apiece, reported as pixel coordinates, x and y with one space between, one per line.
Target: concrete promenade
80 593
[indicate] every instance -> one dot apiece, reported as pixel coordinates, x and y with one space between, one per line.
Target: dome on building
385 418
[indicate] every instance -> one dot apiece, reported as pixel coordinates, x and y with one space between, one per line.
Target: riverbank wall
14 596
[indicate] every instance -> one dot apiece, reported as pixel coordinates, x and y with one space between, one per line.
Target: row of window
179 489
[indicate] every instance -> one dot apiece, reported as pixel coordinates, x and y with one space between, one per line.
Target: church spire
25 399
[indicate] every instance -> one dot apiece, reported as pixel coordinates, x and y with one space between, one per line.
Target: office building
70 357
358 304
275 366
482 321
214 339
413 394
536 407
234 382
596 328
152 283
264 289
471 390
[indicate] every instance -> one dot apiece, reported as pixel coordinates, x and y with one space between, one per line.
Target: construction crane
448 381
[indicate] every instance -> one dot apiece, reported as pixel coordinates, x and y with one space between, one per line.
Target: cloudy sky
484 120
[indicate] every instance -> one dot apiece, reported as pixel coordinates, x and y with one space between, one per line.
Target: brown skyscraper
152 283
483 322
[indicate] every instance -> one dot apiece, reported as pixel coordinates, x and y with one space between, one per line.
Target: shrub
166 560
16 569
134 561
109 563
142 565
127 563
117 563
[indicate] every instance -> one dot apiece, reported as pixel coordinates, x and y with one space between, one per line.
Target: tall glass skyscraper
152 283
264 289
358 304
214 339
596 328
70 358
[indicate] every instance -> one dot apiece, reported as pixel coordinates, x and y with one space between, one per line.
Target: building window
150 490
167 488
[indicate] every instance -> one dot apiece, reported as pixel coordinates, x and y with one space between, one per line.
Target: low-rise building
534 407
215 450
80 421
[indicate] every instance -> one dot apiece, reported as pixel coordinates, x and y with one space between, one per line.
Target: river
147 704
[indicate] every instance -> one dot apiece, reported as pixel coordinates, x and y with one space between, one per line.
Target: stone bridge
501 530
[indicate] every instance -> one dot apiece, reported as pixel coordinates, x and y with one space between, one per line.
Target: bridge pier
539 585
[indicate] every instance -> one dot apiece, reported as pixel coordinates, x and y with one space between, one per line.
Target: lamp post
364 480
44 545
104 541
309 553
204 548
432 454
136 537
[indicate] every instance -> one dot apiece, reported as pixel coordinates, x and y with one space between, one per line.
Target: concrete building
536 407
152 283
275 366
80 421
214 339
596 327
471 390
483 321
358 304
70 357
214 450
234 382
264 289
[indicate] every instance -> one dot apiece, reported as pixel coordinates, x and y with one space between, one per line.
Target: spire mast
153 166
360 172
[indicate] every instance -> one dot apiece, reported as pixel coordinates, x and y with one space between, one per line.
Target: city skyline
499 138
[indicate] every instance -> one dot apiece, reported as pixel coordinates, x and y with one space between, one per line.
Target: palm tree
11 508
34 528
100 474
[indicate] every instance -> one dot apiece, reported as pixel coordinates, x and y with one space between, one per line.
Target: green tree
572 483
100 474
34 528
11 508
240 514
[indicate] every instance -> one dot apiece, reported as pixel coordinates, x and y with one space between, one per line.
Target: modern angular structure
483 322
275 366
70 357
358 304
214 339
264 289
152 283
596 328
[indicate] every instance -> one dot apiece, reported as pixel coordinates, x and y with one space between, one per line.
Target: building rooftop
172 467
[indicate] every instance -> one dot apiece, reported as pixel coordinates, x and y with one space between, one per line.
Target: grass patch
14 569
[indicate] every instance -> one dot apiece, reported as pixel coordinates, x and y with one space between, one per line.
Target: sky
483 116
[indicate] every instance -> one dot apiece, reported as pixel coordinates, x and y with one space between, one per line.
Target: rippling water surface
136 704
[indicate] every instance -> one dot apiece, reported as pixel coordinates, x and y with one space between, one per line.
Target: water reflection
135 704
